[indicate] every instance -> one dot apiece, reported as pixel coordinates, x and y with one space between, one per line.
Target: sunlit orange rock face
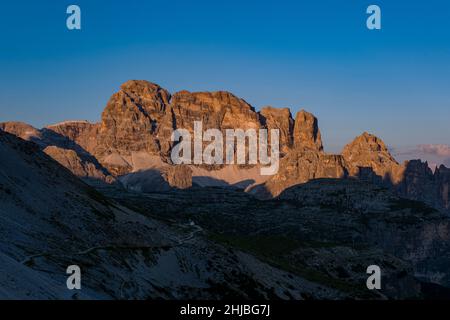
306 132
369 151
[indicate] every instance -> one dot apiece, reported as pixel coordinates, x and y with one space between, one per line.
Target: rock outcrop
78 166
83 133
305 161
23 131
133 138
130 124
369 151
61 143
368 158
418 182
281 119
220 110
442 178
141 116
301 166
179 177
306 132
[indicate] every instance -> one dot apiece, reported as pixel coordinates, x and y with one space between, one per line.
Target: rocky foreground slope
327 231
314 241
49 219
132 144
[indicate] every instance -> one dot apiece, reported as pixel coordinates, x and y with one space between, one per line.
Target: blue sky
316 55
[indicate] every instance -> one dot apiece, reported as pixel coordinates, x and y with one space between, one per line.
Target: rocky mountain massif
132 144
143 228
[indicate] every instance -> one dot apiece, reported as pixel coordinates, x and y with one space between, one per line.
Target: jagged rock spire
306 132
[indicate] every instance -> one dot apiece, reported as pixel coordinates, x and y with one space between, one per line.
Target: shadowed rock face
20 129
50 220
420 183
442 177
410 230
417 181
325 229
413 179
82 133
301 166
61 143
79 167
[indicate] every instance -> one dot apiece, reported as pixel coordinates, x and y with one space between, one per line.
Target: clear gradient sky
316 55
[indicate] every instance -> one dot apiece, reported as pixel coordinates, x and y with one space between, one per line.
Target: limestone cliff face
368 158
221 110
61 143
301 166
281 119
369 151
141 116
22 130
179 177
79 167
418 182
305 161
130 124
83 133
306 132
138 120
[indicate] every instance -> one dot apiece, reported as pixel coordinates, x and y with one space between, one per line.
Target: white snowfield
49 219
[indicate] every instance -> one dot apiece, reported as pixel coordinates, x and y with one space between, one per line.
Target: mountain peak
369 151
306 132
139 84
